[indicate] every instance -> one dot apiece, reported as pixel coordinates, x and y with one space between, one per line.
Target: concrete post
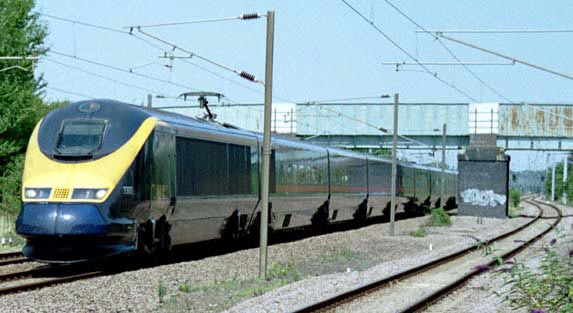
266 145
553 183
564 196
394 166
443 177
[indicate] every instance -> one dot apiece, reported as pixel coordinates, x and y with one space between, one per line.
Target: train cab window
80 137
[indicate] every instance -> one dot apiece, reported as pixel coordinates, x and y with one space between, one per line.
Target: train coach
103 177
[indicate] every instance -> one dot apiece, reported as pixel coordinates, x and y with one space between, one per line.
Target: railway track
39 278
419 287
12 258
46 275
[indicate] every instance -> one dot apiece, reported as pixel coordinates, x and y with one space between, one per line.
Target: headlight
89 194
37 193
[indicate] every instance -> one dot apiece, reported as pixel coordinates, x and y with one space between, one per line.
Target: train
103 178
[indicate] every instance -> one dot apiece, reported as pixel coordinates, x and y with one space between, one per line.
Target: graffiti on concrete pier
482 197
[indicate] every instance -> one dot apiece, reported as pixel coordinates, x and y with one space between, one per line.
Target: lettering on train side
159 192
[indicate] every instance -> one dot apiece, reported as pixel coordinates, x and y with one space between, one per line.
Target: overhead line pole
553 183
266 145
564 195
394 167
443 178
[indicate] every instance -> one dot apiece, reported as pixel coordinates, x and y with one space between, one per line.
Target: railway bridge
518 126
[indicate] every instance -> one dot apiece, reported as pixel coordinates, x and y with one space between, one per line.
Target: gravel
326 264
18 267
481 294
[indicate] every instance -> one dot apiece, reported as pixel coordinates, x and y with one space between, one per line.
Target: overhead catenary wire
541 68
14 67
452 54
123 70
151 44
18 58
104 77
347 99
434 35
371 125
339 123
500 31
192 54
70 92
373 25
466 67
403 63
246 16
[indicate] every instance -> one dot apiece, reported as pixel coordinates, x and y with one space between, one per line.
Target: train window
239 169
80 137
212 168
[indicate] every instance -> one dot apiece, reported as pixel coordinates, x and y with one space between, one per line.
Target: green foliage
439 217
161 291
227 292
383 152
514 197
338 254
20 104
282 271
550 290
420 232
486 248
10 183
184 288
559 186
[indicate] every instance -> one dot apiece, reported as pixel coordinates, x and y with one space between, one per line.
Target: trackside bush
548 288
514 196
439 217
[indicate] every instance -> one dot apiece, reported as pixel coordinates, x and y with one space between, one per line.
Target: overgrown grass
439 218
184 288
161 291
420 232
224 294
339 255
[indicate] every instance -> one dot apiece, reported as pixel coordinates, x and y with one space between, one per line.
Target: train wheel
153 237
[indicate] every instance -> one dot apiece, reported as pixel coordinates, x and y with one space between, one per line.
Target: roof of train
189 122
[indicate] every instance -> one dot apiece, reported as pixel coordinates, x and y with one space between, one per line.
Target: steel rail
9 255
439 294
31 273
75 272
50 275
48 282
15 260
12 258
365 289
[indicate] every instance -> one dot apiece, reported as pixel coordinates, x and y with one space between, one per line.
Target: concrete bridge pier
483 177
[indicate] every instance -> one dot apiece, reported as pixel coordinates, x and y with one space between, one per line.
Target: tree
21 105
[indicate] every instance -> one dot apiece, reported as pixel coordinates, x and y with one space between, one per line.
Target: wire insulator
247 76
249 16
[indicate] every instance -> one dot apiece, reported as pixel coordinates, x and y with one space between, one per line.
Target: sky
323 50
